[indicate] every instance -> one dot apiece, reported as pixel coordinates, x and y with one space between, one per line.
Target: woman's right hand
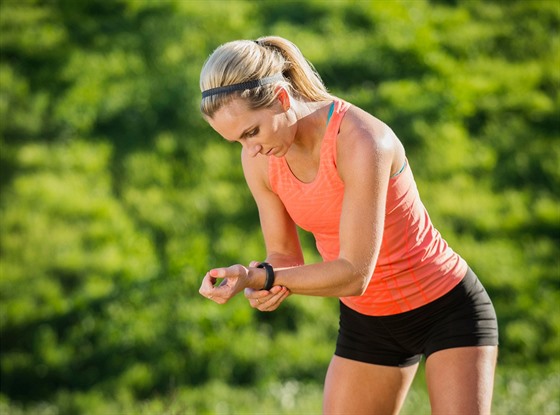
264 300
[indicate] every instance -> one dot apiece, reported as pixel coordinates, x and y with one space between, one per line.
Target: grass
533 390
517 391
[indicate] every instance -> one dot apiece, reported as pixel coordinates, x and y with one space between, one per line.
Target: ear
283 97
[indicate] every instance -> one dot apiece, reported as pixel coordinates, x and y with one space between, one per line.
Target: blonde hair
246 60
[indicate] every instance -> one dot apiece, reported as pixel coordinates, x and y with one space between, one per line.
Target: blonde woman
313 160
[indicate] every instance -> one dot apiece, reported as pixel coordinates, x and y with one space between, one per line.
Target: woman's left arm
367 151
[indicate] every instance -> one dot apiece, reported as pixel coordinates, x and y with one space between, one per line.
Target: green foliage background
116 197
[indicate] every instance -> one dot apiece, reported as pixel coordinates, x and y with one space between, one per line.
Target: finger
274 291
218 272
207 285
272 302
275 301
252 294
254 264
258 302
259 299
222 293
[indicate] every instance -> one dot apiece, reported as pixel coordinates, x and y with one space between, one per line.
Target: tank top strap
336 115
280 175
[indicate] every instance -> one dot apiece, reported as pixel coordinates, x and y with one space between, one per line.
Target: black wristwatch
269 275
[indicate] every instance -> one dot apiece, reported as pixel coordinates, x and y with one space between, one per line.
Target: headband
242 86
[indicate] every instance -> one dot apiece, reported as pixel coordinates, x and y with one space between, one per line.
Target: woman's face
268 131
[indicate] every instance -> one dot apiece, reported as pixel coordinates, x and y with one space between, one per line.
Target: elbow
358 281
356 288
360 285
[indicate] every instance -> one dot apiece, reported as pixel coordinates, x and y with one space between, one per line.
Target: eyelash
252 133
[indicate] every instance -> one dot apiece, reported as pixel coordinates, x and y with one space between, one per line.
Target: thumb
231 272
248 292
217 272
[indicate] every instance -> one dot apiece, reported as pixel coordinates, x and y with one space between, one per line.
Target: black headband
242 86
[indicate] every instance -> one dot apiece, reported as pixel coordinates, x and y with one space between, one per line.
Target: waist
395 293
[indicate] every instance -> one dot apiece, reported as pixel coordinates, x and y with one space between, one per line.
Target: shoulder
255 169
364 137
358 126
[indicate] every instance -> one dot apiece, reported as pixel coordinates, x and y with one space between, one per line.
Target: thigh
375 340
353 387
463 318
461 380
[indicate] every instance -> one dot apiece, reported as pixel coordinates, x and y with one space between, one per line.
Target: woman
314 160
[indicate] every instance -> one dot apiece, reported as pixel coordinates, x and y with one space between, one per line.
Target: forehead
232 119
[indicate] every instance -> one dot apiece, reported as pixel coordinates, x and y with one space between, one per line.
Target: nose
252 148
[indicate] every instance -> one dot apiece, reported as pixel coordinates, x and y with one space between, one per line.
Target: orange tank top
415 264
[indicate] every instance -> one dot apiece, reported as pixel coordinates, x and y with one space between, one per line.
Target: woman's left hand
264 300
234 280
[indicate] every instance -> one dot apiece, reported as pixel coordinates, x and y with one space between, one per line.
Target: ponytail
304 79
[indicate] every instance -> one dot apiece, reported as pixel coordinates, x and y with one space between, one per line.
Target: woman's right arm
281 239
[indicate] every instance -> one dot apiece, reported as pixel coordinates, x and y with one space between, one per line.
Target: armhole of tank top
400 171
335 138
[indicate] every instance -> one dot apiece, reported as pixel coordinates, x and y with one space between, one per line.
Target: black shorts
463 317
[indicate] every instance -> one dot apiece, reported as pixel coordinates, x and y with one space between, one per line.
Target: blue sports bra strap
331 110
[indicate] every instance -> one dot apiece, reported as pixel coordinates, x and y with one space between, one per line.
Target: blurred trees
116 197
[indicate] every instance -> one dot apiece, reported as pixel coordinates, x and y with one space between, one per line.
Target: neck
311 121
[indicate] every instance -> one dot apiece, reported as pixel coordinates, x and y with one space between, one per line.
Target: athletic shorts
463 317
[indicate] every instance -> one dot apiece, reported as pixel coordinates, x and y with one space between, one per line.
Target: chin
280 153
